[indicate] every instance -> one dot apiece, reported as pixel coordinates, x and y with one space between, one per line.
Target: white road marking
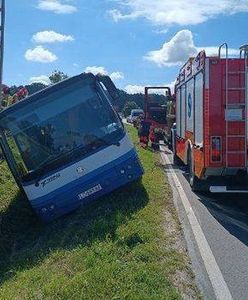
217 280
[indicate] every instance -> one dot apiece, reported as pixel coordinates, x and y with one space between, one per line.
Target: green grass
116 248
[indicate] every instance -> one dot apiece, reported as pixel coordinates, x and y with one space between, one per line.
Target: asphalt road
224 222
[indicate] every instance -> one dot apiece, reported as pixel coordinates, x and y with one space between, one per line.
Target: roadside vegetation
127 245
125 103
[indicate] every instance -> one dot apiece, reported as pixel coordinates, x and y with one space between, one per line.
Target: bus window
81 121
17 155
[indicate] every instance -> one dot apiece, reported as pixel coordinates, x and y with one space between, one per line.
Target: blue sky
137 42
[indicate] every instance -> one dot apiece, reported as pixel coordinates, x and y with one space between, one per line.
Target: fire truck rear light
216 148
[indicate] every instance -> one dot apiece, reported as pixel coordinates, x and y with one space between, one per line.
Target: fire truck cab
211 121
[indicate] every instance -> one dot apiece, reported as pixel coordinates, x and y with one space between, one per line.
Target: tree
128 108
35 87
57 76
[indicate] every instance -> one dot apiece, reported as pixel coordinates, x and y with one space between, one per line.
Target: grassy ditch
117 248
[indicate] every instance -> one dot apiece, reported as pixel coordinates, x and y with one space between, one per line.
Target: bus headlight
45 210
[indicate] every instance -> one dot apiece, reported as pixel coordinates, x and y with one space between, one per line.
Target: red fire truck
158 118
211 121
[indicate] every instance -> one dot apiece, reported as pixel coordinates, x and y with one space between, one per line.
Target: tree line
125 103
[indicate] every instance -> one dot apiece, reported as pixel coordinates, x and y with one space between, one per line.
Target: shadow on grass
25 242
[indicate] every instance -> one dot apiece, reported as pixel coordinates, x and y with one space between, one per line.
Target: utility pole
2 24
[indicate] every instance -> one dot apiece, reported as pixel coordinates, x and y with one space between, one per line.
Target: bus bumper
82 192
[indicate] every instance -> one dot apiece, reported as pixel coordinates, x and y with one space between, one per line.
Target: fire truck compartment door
190 106
199 109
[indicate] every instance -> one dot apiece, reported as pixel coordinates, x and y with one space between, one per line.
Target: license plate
90 192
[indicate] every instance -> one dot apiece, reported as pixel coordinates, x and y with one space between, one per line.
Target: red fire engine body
211 121
158 118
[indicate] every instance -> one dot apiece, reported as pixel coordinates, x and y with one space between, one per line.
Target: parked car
135 113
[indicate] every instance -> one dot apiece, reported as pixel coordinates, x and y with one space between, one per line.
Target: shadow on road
230 210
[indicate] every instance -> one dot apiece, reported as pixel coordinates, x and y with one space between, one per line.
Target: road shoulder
208 275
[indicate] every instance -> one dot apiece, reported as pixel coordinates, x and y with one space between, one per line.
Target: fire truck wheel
169 142
176 160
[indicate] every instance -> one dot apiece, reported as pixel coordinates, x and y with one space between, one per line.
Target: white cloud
96 70
117 76
214 51
179 49
51 37
171 86
101 70
161 31
140 89
40 54
180 12
134 89
40 79
117 15
57 6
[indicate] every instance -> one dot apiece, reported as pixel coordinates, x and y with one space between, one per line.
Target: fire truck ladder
244 53
2 24
232 105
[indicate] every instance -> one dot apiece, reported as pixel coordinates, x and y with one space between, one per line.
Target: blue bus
66 145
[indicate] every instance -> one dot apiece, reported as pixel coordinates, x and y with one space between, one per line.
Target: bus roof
45 92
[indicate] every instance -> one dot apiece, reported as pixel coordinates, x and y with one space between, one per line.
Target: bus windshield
76 119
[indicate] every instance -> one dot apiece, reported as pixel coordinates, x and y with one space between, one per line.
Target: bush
128 108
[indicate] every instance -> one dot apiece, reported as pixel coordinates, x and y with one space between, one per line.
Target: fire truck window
199 112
